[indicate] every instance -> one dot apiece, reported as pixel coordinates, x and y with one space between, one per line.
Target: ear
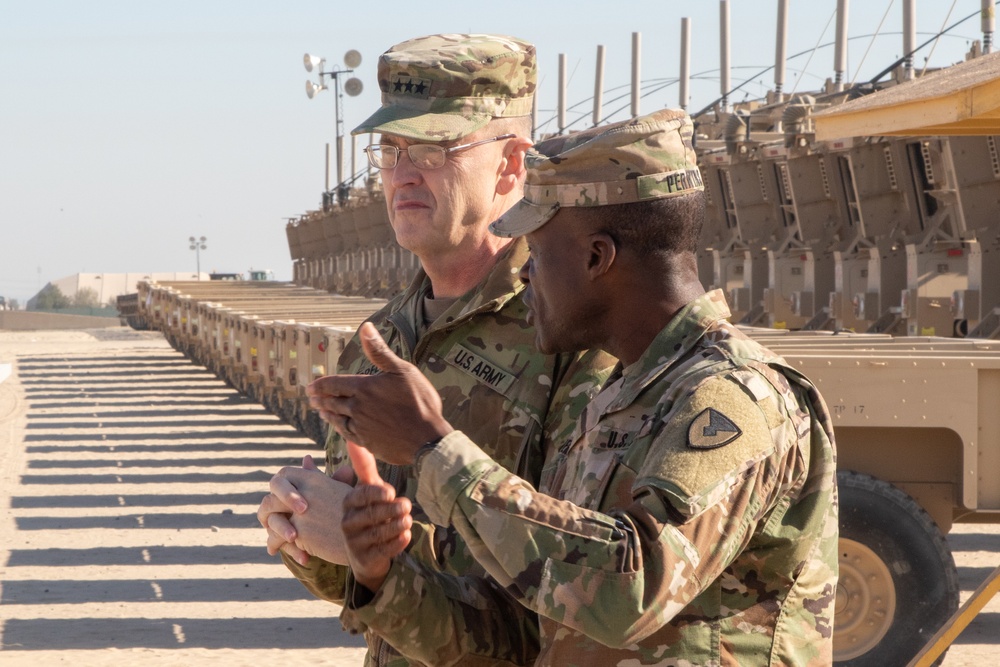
510 175
602 254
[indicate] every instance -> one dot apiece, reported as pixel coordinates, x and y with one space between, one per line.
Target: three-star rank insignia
711 429
411 85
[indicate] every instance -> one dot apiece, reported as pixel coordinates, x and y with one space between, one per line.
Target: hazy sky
127 126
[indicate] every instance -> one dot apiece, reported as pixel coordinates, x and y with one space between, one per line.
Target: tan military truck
918 441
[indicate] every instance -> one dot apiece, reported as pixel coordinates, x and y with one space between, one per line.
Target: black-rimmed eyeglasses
423 156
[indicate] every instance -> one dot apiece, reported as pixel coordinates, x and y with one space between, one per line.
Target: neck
657 291
458 272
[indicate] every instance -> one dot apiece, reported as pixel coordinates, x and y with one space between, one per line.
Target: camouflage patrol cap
649 157
444 87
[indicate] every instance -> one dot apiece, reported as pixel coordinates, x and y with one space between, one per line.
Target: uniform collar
499 286
673 342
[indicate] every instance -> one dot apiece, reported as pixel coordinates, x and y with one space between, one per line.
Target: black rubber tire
289 414
314 429
899 531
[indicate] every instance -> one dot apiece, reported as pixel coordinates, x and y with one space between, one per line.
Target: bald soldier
453 130
691 516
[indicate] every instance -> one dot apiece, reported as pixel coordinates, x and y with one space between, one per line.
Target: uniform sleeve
323 579
473 616
440 619
620 575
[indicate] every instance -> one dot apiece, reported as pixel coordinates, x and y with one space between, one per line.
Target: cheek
472 189
569 290
549 285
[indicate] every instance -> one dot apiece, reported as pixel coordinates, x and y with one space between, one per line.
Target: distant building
111 285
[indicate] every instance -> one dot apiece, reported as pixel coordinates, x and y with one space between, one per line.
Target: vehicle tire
898 582
290 414
314 429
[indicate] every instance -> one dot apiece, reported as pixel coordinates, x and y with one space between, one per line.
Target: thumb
364 464
308 463
345 474
378 352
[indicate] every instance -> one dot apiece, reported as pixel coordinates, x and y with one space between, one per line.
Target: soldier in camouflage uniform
454 125
690 519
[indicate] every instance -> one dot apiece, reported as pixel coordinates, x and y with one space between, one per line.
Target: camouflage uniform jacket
480 355
690 519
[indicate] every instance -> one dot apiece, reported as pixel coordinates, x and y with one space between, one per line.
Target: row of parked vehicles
916 421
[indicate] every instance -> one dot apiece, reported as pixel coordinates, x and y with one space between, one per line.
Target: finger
318 387
274 544
394 547
285 497
363 495
386 536
308 463
337 422
331 385
363 463
327 416
279 526
264 510
365 520
378 352
340 405
298 555
346 475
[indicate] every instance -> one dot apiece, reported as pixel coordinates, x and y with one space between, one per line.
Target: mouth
526 298
409 205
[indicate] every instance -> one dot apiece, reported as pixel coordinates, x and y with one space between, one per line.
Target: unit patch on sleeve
711 429
481 368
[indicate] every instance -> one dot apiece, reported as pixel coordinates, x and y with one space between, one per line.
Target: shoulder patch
711 429
709 438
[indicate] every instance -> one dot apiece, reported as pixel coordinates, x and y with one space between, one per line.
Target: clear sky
127 126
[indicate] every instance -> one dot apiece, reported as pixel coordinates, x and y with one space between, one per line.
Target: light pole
352 87
198 244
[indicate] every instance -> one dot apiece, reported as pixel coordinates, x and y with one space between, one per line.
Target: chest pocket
599 471
480 390
485 371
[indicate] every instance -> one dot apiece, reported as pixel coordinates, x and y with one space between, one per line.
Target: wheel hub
866 601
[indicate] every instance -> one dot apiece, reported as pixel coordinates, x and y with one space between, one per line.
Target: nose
404 173
523 273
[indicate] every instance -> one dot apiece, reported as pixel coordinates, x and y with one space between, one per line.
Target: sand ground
129 479
129 482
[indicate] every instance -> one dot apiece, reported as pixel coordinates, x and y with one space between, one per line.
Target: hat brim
421 125
523 218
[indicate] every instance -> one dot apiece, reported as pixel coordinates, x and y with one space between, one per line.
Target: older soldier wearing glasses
454 127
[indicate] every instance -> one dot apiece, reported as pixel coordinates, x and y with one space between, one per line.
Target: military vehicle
871 261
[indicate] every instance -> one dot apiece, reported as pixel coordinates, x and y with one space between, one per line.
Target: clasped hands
359 524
